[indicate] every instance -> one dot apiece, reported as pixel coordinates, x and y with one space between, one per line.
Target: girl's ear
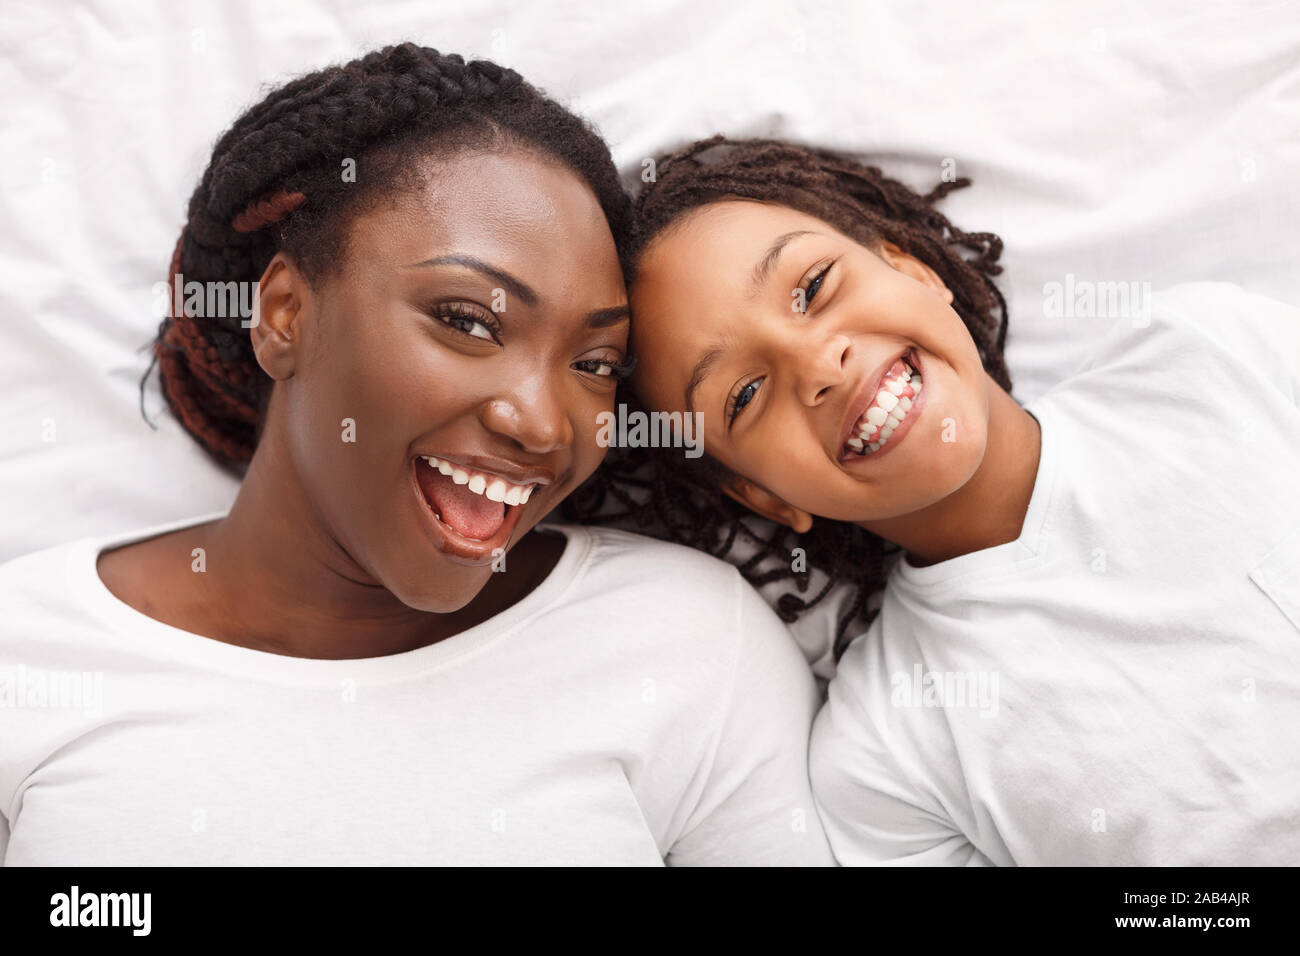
914 267
763 502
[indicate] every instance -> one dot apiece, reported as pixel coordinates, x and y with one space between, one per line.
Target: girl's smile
884 410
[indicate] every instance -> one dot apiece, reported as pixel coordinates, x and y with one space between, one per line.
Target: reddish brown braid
658 491
279 166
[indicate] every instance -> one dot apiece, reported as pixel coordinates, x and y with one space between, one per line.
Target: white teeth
490 486
887 411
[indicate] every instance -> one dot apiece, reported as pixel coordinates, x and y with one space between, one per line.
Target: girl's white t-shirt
641 706
1121 684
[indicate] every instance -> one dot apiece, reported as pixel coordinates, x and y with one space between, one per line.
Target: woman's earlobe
762 502
275 329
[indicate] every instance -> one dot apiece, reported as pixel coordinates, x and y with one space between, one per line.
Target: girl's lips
865 395
918 408
458 548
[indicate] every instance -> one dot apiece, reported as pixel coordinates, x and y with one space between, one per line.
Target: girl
1089 647
333 672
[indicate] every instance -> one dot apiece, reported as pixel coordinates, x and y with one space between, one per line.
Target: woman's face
781 390
476 321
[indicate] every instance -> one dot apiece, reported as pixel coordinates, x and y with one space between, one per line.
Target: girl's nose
821 366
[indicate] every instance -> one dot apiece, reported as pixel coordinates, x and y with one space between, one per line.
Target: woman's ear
914 267
276 330
763 502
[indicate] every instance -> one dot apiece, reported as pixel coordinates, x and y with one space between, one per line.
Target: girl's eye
740 399
470 321
604 368
814 285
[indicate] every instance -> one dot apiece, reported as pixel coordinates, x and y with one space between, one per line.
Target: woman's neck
989 509
282 583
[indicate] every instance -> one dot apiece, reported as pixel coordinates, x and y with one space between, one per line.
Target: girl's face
477 321
719 330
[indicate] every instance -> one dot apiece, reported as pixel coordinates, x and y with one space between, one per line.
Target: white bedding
1114 143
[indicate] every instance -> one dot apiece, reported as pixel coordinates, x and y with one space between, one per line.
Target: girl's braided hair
282 163
665 494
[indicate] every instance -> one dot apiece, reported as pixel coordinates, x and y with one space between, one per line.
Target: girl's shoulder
1191 321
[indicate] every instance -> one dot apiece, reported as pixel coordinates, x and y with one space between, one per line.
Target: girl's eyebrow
766 264
700 373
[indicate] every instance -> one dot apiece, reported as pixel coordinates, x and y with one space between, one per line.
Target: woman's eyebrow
515 286
604 318
766 264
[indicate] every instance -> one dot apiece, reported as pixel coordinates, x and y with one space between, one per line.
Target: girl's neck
989 509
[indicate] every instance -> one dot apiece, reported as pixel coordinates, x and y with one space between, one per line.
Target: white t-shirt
642 705
1120 685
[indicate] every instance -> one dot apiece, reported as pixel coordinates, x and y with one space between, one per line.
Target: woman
373 658
1091 630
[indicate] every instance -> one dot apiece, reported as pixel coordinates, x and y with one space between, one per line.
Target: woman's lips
458 548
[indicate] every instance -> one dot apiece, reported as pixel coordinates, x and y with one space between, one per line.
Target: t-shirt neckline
156 637
1028 545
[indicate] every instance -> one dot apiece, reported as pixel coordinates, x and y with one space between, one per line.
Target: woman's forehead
508 208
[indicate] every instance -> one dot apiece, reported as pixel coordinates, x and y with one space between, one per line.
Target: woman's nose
821 366
531 416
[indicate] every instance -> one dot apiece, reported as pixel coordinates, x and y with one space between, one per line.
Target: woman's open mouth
890 413
473 511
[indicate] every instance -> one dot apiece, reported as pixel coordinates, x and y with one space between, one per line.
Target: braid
657 492
274 183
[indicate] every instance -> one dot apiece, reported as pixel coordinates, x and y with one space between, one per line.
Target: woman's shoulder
656 582
39 595
640 557
65 580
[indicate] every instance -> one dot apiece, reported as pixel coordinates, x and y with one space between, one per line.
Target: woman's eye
741 399
466 320
607 368
474 328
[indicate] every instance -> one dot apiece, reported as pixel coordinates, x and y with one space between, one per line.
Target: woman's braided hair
282 163
664 494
